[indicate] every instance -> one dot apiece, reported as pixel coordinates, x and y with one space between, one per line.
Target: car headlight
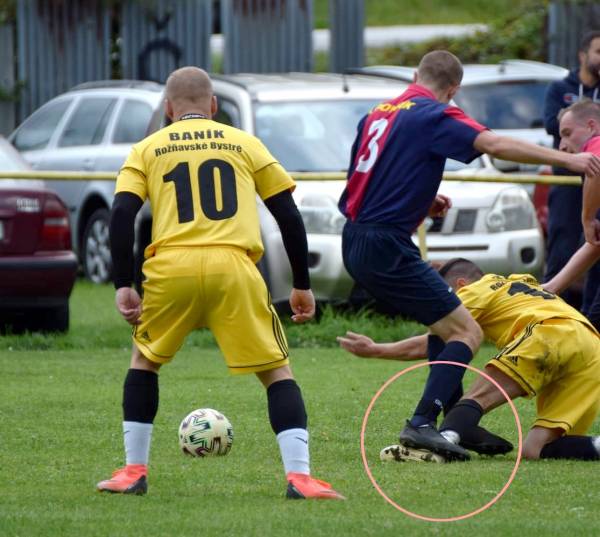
511 211
321 215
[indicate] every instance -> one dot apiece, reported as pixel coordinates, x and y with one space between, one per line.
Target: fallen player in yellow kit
548 350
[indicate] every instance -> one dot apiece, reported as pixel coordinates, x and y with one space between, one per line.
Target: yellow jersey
503 306
201 178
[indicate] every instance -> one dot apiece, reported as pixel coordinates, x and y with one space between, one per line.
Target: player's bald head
440 70
460 268
189 85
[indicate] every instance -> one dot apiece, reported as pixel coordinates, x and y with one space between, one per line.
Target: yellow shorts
215 287
557 360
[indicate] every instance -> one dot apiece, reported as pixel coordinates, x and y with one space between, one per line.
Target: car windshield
311 136
317 136
505 105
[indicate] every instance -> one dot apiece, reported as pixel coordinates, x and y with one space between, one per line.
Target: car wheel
96 260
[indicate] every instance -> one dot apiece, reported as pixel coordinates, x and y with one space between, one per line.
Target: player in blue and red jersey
396 167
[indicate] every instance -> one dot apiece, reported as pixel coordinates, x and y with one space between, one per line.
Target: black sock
435 345
465 415
453 400
442 384
571 447
140 396
286 406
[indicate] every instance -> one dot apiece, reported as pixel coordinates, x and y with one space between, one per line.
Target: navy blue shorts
385 261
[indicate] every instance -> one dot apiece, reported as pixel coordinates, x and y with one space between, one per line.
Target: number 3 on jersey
368 158
214 206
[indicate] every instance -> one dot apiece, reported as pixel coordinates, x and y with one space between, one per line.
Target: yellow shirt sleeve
272 180
132 176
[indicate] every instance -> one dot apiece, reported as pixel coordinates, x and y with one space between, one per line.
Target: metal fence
347 34
160 36
568 21
267 36
7 79
60 44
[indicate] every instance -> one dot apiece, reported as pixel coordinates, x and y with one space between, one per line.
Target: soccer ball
205 432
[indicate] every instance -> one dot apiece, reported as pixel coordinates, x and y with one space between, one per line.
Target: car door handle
88 164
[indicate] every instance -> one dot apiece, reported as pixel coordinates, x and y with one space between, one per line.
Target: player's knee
472 335
139 361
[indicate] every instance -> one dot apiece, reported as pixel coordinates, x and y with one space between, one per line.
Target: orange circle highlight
392 502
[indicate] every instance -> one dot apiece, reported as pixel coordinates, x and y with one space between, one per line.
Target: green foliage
13 94
8 10
400 12
518 33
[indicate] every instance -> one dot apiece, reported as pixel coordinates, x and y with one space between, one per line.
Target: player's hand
586 163
440 206
302 303
129 304
591 230
358 344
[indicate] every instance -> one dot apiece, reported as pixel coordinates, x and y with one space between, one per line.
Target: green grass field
60 423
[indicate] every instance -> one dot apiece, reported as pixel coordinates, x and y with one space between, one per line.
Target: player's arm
412 348
580 262
591 204
121 236
288 218
507 148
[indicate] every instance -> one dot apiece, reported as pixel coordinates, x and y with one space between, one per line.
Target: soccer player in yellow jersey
548 350
201 178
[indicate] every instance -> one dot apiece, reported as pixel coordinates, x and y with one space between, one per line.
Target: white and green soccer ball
205 432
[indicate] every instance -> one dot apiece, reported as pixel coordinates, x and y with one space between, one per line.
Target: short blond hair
582 110
440 69
189 84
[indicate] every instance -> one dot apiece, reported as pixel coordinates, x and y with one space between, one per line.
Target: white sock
452 436
293 445
596 443
137 437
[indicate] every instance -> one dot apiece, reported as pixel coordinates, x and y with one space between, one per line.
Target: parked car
37 266
90 128
507 97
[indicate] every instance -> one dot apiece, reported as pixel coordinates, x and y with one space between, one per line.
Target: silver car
90 128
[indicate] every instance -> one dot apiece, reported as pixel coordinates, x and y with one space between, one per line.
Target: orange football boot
128 480
303 486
